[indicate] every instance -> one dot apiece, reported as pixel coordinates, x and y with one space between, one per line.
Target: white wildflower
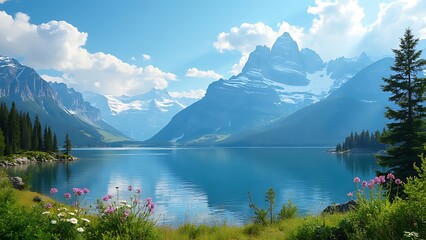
45 213
53 221
80 229
85 220
73 220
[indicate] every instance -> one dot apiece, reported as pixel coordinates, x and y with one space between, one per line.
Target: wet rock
340 208
37 199
17 183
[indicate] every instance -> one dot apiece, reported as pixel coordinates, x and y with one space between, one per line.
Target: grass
281 230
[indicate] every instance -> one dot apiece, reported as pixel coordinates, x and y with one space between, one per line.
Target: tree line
18 132
365 139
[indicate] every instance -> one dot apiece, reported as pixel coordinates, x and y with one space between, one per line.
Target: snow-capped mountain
141 116
56 105
274 83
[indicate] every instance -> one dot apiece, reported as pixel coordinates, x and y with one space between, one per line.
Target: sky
129 47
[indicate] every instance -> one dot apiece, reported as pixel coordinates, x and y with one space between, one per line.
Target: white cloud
336 30
247 36
59 45
195 94
194 72
146 57
133 58
3 1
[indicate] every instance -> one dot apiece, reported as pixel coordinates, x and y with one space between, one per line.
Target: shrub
287 211
125 220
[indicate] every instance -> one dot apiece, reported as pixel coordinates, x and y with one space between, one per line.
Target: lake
207 185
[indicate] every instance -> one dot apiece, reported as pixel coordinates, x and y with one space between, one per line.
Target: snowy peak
257 59
9 62
154 100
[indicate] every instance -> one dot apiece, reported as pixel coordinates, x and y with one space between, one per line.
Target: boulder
340 208
37 199
17 183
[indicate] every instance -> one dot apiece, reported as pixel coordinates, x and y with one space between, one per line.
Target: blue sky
129 47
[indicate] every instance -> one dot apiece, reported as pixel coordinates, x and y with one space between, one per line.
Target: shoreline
34 157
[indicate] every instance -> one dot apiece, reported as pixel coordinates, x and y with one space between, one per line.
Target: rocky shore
17 160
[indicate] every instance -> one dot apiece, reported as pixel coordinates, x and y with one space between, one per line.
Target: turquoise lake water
207 185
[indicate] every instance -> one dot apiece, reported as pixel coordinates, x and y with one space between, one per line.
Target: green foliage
125 220
288 210
18 133
270 199
267 217
406 131
2 143
67 145
365 139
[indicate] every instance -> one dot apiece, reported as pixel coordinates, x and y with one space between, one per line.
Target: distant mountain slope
141 116
357 105
273 83
61 108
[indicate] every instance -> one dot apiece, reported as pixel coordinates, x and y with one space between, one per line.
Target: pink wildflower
130 188
150 205
75 204
48 205
67 195
109 196
53 190
350 194
105 198
138 190
364 184
390 176
398 181
77 191
85 190
109 210
371 184
357 180
377 180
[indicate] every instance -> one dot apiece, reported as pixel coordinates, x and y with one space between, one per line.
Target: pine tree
36 136
67 145
55 143
405 134
25 131
13 131
2 143
4 115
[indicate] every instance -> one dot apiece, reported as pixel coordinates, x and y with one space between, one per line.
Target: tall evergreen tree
4 115
67 144
13 131
2 143
405 134
55 143
36 137
25 130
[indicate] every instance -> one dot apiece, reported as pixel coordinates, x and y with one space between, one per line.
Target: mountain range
358 105
274 83
62 108
140 116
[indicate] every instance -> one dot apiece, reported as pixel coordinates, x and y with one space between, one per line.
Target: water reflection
209 185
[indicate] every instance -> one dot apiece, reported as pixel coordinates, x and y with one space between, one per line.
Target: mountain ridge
32 94
273 84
